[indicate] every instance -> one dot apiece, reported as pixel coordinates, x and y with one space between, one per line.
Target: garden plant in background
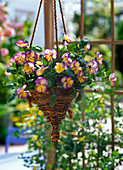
97 26
81 141
10 32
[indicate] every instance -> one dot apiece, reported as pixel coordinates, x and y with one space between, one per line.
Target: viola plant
38 69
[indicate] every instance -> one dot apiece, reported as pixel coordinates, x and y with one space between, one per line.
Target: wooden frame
49 35
112 42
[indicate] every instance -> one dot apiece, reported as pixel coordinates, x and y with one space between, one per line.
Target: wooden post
112 69
82 20
49 44
49 23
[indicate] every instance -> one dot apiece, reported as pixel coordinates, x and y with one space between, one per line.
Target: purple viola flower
50 54
81 77
31 56
21 93
19 58
75 66
67 82
92 67
28 68
99 58
41 85
66 59
21 43
112 79
66 39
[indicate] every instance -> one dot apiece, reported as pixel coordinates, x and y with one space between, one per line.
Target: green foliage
52 100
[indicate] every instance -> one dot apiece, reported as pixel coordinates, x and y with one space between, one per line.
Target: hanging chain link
37 18
56 29
62 15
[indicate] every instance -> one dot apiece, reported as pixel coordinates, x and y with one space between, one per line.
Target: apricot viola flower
87 48
40 71
50 54
66 58
112 79
81 77
75 66
19 58
92 67
41 85
60 67
21 43
31 56
67 82
21 93
99 58
28 68
66 39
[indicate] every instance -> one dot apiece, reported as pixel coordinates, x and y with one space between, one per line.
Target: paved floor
10 161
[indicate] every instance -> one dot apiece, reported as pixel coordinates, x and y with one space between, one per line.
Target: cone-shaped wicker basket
55 114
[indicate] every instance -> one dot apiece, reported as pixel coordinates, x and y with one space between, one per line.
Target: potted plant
52 83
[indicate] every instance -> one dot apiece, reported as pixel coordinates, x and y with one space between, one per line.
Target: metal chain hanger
56 25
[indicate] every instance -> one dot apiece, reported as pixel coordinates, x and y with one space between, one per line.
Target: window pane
97 19
71 9
118 19
119 65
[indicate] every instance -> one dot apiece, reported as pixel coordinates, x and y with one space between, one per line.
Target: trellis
49 43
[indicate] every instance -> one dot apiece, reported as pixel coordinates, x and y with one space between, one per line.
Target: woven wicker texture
56 114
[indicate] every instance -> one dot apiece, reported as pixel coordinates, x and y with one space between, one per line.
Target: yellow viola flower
22 106
60 67
82 139
100 127
40 113
33 110
15 119
102 99
35 138
116 129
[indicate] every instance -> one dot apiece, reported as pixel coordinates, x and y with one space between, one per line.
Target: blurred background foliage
97 26
10 32
93 134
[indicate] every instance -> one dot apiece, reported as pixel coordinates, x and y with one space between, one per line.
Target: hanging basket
55 114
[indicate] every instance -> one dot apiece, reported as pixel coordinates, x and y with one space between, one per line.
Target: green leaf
69 73
83 43
79 97
49 83
11 70
80 86
12 97
30 80
73 95
44 62
49 166
11 86
37 49
71 47
53 99
90 54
